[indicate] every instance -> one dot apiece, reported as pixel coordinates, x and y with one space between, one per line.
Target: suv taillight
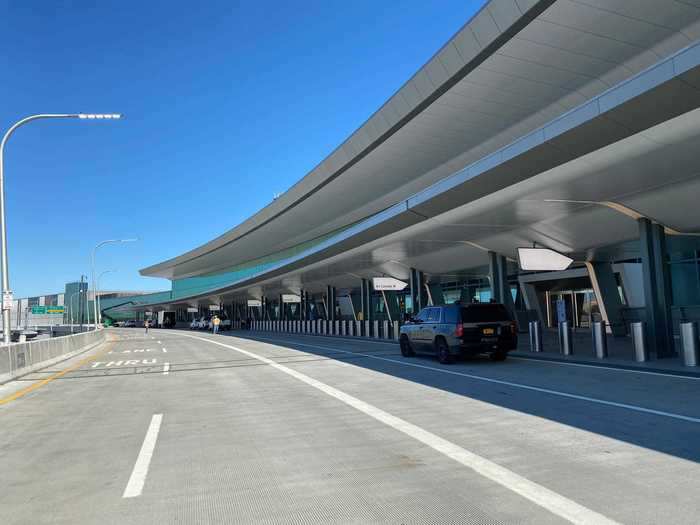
459 331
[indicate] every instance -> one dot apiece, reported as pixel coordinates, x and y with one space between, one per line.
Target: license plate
488 331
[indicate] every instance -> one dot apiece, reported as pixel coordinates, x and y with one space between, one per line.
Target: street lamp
97 296
108 241
70 304
7 293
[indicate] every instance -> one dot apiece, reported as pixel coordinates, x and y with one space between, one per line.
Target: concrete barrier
20 359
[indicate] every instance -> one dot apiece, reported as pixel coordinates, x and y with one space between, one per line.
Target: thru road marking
538 494
138 476
166 369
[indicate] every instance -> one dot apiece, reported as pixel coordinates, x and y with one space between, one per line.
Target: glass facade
685 278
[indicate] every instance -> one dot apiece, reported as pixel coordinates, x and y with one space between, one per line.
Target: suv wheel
405 345
499 355
443 351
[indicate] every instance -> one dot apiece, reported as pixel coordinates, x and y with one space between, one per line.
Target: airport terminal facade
563 124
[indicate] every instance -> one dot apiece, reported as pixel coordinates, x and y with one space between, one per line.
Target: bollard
535 328
565 342
357 332
385 329
375 329
342 327
396 330
689 343
600 340
365 330
641 352
336 327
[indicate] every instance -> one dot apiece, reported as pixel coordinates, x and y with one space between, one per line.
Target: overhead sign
38 310
192 310
214 308
55 309
542 259
388 283
290 298
7 300
254 302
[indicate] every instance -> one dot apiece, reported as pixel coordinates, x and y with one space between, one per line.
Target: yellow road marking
41 383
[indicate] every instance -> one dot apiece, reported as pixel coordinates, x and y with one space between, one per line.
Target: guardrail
19 359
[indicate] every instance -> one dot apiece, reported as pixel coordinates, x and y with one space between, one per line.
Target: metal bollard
358 329
336 328
366 331
566 345
641 352
689 343
535 328
342 327
396 330
600 340
375 329
385 329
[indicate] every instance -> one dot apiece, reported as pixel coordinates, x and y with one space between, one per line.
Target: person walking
215 324
145 324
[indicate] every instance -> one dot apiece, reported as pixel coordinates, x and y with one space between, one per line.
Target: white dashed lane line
138 475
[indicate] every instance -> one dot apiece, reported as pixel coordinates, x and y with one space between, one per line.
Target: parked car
460 330
129 324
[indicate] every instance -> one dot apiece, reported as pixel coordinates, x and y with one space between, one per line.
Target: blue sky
225 103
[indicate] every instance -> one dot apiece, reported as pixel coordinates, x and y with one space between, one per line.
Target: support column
366 292
415 288
657 291
605 288
506 296
494 277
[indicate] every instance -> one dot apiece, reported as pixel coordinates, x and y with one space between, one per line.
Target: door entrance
580 308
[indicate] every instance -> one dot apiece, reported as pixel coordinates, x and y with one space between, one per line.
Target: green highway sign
42 310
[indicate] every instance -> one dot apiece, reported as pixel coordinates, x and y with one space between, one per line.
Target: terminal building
558 124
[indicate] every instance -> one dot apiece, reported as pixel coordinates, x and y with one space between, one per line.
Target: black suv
465 330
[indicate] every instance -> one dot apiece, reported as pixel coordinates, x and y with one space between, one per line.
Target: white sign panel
388 283
254 302
290 298
214 308
7 300
542 259
192 310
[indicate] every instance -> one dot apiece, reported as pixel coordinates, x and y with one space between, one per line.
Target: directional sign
38 310
290 298
542 259
55 309
192 310
254 302
388 283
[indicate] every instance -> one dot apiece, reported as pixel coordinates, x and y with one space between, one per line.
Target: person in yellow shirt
215 322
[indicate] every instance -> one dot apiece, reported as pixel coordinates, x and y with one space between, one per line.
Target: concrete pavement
186 427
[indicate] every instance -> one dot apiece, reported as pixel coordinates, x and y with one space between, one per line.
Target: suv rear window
484 313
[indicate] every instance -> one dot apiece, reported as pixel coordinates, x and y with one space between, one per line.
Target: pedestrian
145 324
215 324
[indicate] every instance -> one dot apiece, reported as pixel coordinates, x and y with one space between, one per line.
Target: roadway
188 427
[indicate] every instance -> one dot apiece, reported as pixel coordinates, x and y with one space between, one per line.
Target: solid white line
165 351
526 358
159 342
166 369
538 494
515 385
584 365
138 476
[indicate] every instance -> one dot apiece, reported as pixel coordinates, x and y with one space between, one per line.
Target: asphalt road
186 427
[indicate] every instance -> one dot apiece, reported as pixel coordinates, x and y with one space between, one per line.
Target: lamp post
102 243
97 295
3 226
70 303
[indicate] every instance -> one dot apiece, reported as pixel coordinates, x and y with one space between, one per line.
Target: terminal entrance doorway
580 307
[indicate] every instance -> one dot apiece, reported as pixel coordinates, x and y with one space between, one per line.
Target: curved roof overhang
514 66
570 158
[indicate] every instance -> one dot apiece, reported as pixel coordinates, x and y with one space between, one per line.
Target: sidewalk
620 354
